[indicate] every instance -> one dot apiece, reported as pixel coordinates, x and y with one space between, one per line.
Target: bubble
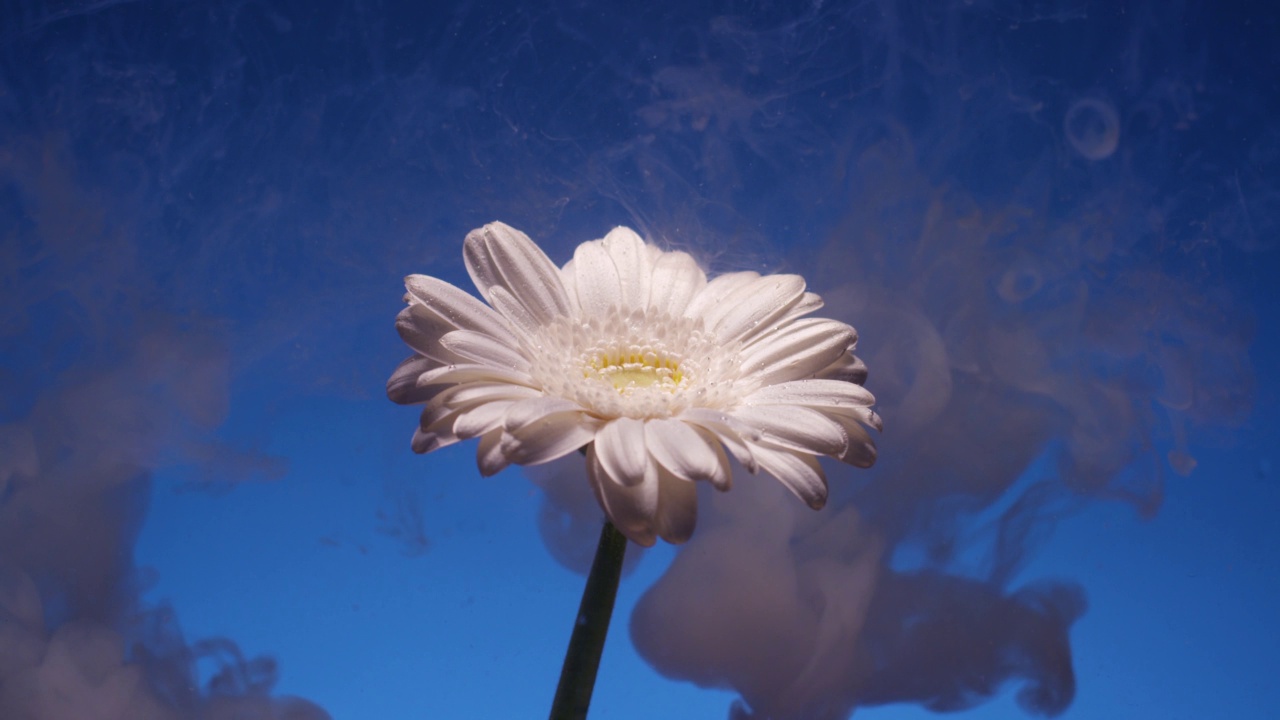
1019 282
1093 128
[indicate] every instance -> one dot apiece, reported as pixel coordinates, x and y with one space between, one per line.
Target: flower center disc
634 364
627 373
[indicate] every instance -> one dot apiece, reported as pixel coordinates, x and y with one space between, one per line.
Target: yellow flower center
636 368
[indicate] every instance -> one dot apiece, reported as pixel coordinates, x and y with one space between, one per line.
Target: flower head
630 352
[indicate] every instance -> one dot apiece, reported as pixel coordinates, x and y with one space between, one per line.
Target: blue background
1054 224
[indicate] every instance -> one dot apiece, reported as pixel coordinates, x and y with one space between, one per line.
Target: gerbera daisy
630 352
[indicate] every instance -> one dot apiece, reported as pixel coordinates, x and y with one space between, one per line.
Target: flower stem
582 659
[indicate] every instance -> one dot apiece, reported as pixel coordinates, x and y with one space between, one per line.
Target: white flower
630 351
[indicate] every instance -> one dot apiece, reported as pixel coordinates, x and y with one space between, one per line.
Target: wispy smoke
1041 335
122 388
1025 211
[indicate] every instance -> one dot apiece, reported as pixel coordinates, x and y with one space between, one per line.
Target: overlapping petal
798 351
456 307
499 256
620 447
675 280
633 264
596 279
799 471
795 427
632 508
753 307
685 452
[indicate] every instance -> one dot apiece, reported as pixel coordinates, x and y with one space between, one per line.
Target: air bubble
1093 128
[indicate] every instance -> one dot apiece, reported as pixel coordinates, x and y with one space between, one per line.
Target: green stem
582 659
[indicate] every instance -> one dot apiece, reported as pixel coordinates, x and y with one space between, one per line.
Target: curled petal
677 512
686 453
424 441
727 430
403 388
620 448
631 508
848 368
489 456
543 429
800 472
861 451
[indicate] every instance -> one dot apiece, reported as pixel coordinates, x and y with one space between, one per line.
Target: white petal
498 255
713 292
723 478
786 325
807 303
421 329
800 351
755 307
633 263
676 278
795 428
437 417
481 419
677 508
403 388
456 306
630 508
596 278
873 419
481 348
570 287
455 374
489 456
813 393
800 472
533 410
620 448
726 430
521 319
425 441
847 367
543 429
466 395
560 435
686 453
861 451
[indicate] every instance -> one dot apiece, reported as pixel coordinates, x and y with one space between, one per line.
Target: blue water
1054 224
